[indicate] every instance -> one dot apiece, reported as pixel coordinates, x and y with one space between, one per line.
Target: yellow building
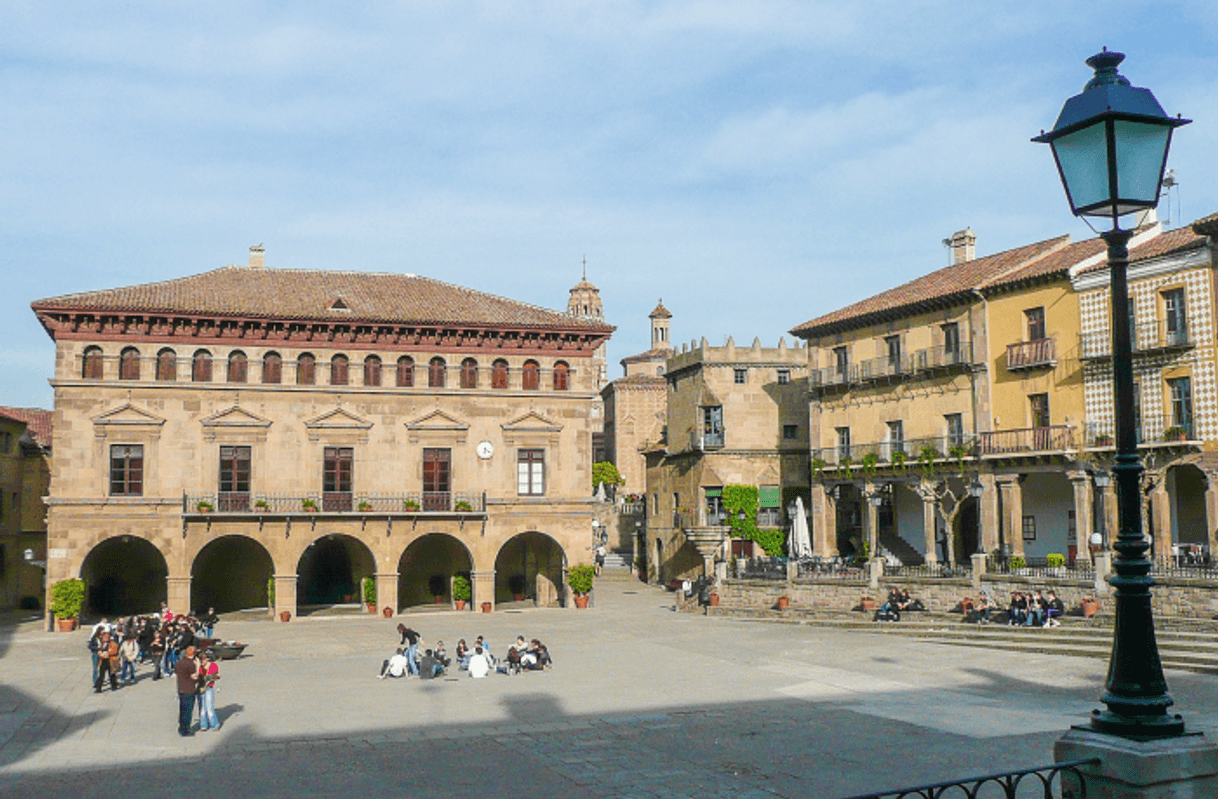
25 474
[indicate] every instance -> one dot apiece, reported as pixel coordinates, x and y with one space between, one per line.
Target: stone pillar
989 512
1081 483
930 504
1012 512
1160 511
285 594
873 522
1172 768
179 594
875 570
387 591
978 559
1108 510
1103 566
484 589
824 522
1211 512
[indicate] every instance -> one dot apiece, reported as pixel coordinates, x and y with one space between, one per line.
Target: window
129 364
237 367
896 438
712 426
372 371
469 373
1181 391
340 370
272 368
306 369
741 376
437 373
336 478
234 479
531 472
499 374
530 378
1176 323
955 429
562 374
655 504
91 364
126 470
437 479
1038 409
200 367
1034 318
405 372
1029 528
790 432
1137 409
768 512
715 515
892 345
951 342
167 365
841 362
843 442
784 377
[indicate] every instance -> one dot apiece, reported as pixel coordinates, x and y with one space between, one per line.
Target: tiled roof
300 294
653 354
1057 262
660 312
1206 225
36 420
1183 238
640 380
582 285
948 282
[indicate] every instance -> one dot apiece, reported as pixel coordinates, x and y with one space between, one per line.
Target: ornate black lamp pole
1110 144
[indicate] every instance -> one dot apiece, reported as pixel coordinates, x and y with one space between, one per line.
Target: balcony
880 368
933 358
832 376
414 503
1029 439
1153 431
924 360
1147 339
908 451
1031 354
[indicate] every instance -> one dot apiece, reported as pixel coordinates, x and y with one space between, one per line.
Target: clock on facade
485 450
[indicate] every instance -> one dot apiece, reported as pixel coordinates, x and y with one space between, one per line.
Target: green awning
770 497
714 492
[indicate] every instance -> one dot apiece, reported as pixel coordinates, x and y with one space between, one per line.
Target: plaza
641 701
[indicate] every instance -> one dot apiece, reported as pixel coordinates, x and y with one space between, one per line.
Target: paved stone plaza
641 702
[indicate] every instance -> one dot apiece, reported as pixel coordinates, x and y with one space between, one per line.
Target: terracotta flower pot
460 603
66 625
714 600
371 607
868 604
784 602
518 597
388 612
581 600
285 615
1090 607
439 599
486 607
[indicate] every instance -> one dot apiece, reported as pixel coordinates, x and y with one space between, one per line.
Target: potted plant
1017 563
463 507
369 585
714 599
261 505
898 460
580 579
410 505
516 584
1174 434
1090 605
285 616
1102 440
67 596
309 505
203 506
462 591
784 602
867 604
435 584
1056 561
364 506
387 611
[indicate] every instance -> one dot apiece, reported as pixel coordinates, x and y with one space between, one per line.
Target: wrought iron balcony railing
923 360
1152 430
404 504
1145 339
1031 354
907 451
1029 439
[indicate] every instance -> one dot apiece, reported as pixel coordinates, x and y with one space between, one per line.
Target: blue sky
755 164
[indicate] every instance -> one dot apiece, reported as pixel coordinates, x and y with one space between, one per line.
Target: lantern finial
1105 65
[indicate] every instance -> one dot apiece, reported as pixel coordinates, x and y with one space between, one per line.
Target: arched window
531 376
562 374
499 374
437 372
372 371
200 367
129 364
469 373
167 365
306 369
338 370
238 367
405 375
272 368
91 364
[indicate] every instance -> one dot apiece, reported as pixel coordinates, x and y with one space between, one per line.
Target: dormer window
337 304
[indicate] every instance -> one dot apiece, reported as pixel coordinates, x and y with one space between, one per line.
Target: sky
755 164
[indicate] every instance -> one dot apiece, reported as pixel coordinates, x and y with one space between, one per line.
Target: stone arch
124 575
230 573
331 568
539 560
429 562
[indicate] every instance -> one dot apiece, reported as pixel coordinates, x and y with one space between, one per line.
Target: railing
761 569
1028 439
929 570
943 357
876 368
1081 568
1031 354
1145 338
832 376
1186 561
816 568
886 452
408 503
712 440
1056 781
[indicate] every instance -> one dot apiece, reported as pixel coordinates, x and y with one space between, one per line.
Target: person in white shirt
394 666
479 666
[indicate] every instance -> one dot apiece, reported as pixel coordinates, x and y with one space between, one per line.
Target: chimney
963 244
257 253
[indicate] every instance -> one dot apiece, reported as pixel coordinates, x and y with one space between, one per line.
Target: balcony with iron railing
1031 354
932 358
1153 431
887 367
906 451
411 503
1055 438
1148 338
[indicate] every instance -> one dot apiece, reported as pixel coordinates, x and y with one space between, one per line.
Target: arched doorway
123 576
967 529
1186 485
533 562
426 569
230 573
331 569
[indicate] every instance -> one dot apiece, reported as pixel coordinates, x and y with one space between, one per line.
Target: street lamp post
1101 482
975 490
1110 143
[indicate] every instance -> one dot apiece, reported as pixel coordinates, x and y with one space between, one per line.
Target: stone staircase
617 567
893 547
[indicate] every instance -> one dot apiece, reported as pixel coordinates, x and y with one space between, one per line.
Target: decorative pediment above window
707 398
339 426
769 476
531 428
235 423
711 478
128 419
437 425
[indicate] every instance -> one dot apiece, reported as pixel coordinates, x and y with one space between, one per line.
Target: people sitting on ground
1017 611
511 662
442 655
536 657
479 665
908 603
1054 610
429 668
463 654
395 666
1036 610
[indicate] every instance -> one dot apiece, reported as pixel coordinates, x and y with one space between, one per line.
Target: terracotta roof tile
660 312
949 281
1172 241
1057 262
300 294
653 354
36 420
1206 225
640 380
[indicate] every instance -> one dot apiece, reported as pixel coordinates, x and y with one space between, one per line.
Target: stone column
824 522
988 512
930 504
387 591
179 594
1012 507
1161 519
1081 483
484 589
1211 512
873 522
285 594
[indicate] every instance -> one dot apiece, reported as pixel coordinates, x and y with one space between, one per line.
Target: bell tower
585 300
659 327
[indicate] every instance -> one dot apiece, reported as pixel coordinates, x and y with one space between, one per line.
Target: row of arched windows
129 368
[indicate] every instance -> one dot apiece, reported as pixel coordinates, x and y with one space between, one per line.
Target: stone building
584 301
25 473
309 429
735 416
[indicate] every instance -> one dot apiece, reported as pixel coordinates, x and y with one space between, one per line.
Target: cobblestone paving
642 702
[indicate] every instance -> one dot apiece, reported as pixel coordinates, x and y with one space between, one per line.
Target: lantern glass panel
1141 150
1082 157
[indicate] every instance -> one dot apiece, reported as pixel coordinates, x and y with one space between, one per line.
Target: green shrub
580 578
462 590
1056 560
369 585
270 592
67 596
772 541
1018 562
606 472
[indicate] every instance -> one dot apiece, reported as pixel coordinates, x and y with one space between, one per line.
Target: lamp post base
1145 728
1172 768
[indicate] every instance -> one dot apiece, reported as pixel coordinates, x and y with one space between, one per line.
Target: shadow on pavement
27 725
